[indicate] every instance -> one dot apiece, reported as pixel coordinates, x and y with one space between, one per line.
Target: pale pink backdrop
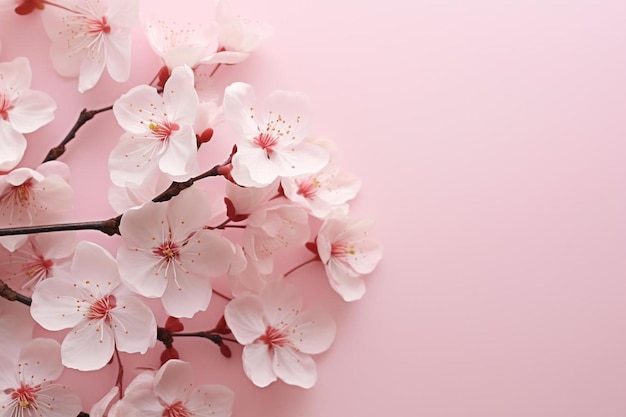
490 137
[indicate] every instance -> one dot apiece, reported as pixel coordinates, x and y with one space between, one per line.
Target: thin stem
215 70
12 295
221 225
84 116
295 268
111 226
219 294
119 382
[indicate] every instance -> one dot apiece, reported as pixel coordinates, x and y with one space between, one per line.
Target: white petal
173 380
40 360
179 156
179 94
188 212
32 110
281 301
346 283
12 146
314 331
16 75
134 325
294 368
186 294
139 272
257 364
134 110
145 227
95 338
94 266
118 55
244 316
211 400
56 304
134 160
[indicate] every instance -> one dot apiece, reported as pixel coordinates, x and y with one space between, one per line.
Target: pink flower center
20 195
176 410
40 267
266 141
101 309
340 250
274 337
308 187
169 250
95 26
5 106
163 131
26 396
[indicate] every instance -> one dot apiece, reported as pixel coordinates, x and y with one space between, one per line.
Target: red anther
174 325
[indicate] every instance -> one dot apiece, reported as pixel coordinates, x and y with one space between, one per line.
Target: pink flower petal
134 325
244 316
257 364
95 338
294 368
40 360
173 381
211 400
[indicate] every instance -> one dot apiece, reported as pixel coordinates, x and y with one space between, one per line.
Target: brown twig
84 116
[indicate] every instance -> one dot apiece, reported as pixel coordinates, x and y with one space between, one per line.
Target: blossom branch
84 116
111 226
12 295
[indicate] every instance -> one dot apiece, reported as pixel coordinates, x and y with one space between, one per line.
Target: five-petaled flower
29 197
102 314
270 142
278 336
347 252
167 253
88 35
22 110
170 393
27 386
159 132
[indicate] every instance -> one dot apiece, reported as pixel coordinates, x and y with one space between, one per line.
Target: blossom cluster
283 188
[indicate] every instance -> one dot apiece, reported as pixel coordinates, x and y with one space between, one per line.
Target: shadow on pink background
490 138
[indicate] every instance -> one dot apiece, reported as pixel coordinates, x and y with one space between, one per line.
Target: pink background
490 138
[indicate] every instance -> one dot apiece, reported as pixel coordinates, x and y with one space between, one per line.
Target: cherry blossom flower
326 190
167 253
101 312
238 37
27 386
171 393
22 110
88 35
270 142
177 46
159 132
347 252
30 197
278 336
273 229
43 255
